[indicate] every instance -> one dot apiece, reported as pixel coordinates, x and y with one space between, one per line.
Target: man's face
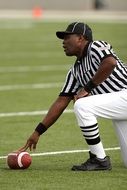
72 44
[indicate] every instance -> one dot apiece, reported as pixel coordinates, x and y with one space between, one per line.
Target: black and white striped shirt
85 68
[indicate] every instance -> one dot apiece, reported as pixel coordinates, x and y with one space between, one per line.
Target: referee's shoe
94 164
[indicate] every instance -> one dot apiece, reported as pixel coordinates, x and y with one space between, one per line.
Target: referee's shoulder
99 43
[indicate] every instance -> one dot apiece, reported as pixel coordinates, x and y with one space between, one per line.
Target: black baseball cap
76 28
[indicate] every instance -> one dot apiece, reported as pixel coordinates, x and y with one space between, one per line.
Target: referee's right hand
31 142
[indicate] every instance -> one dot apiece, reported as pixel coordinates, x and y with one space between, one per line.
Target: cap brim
61 34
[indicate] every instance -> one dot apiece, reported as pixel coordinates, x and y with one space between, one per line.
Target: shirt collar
84 53
85 49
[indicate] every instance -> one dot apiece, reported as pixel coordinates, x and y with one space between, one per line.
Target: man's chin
69 54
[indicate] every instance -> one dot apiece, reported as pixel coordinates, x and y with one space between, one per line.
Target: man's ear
81 38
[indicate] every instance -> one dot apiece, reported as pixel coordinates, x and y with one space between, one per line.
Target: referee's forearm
105 69
55 111
51 117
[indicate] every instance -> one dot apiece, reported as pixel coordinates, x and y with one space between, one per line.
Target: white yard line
21 69
64 16
30 86
22 54
68 152
64 152
43 112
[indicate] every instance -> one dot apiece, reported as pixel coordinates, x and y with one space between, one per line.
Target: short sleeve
101 50
70 86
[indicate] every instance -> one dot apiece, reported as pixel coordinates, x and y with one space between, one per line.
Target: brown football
19 160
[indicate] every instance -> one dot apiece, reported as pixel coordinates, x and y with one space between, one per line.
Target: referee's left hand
81 94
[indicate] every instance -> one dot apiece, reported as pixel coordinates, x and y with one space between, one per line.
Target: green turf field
32 69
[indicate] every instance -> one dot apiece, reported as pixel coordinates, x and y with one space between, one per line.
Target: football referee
97 83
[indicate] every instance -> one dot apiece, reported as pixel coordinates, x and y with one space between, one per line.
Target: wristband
40 128
89 86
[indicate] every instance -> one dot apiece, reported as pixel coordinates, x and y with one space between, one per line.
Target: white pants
111 106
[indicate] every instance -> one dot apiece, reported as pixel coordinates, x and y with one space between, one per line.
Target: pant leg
110 106
121 131
88 109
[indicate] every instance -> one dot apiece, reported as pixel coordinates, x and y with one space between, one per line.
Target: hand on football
31 142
